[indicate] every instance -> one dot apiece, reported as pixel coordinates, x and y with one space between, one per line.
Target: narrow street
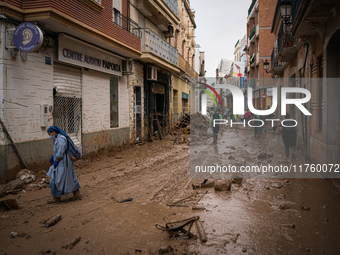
259 216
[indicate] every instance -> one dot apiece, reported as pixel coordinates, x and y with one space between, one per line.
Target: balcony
257 32
276 68
152 43
128 24
252 60
252 34
252 83
185 66
160 12
312 17
251 10
286 44
173 5
69 18
295 8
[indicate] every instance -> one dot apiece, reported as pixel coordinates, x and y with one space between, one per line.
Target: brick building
260 45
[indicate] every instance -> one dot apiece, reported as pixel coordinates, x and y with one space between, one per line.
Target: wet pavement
258 216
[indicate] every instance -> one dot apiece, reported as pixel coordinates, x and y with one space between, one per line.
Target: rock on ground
222 185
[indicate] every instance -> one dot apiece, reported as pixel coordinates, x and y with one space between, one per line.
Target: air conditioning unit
126 67
170 32
151 74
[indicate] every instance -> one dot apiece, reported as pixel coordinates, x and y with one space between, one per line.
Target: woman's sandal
76 196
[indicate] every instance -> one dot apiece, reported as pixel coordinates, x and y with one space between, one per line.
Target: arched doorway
332 93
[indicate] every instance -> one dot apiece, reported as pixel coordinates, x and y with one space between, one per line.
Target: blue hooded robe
63 177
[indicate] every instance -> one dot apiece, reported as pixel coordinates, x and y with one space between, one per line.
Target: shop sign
76 52
27 37
185 95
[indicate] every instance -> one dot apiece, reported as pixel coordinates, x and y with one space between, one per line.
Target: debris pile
27 176
183 121
26 180
200 124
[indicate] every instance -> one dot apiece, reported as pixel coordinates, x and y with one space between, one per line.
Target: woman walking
63 175
289 136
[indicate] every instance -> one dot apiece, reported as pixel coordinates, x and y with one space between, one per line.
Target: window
114 117
67 113
183 48
116 11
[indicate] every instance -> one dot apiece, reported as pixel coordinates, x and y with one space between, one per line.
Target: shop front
90 95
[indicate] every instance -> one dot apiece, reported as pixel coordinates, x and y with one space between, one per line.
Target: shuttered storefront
67 100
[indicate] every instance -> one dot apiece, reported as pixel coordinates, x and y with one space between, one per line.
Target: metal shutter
67 100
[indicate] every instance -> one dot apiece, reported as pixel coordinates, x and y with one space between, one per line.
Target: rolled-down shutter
67 100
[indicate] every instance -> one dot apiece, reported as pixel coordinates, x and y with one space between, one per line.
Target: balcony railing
251 6
276 65
151 42
286 43
127 24
295 8
183 64
274 59
252 83
252 59
173 5
252 33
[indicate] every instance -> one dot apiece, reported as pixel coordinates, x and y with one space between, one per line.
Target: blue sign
27 37
185 95
241 82
48 59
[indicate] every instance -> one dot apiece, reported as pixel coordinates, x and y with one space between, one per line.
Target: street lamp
286 10
266 66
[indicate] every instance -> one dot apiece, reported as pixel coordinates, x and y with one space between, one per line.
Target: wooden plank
201 231
159 129
148 131
12 143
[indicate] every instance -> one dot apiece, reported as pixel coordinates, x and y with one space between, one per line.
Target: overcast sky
220 23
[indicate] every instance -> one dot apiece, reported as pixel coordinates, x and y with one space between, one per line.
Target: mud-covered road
259 216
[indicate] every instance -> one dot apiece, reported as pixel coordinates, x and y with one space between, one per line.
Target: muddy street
256 216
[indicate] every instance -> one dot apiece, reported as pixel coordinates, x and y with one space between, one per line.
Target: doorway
137 100
332 92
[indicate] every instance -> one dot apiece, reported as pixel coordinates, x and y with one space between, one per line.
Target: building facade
103 77
73 81
260 43
163 78
185 81
307 55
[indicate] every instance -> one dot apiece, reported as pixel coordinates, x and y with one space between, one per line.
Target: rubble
237 179
15 184
26 175
183 121
222 185
52 221
165 250
9 204
71 245
208 183
201 231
